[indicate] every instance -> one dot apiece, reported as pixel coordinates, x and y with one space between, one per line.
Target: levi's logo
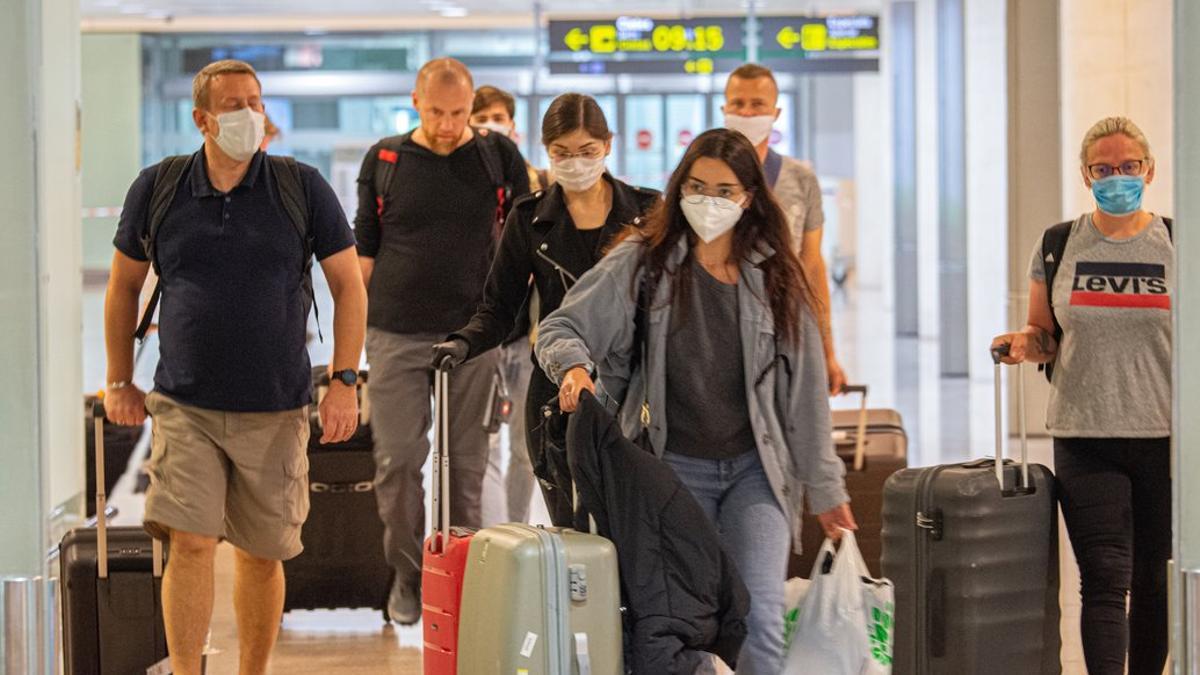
1137 285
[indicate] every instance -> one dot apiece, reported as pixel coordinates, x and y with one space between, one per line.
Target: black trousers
546 442
1116 501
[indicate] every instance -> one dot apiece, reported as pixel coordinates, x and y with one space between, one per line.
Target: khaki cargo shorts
237 476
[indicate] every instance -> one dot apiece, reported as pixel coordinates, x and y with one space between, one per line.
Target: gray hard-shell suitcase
112 591
973 552
540 601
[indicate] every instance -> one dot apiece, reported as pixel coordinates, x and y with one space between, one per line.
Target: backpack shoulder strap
489 154
294 199
387 156
1054 246
772 167
166 181
290 183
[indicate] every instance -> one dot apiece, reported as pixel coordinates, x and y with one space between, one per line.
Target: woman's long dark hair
763 222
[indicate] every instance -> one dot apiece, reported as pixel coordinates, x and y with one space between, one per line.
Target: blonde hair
204 78
1110 126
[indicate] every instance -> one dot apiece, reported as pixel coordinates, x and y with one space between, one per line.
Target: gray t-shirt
1112 377
799 193
707 412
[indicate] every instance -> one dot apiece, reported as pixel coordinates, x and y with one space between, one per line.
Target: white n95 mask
757 128
710 217
241 133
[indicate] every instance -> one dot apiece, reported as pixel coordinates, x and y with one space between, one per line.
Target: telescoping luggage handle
441 460
860 440
98 415
997 354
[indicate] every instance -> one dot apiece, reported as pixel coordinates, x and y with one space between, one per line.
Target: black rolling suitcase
342 564
973 552
112 591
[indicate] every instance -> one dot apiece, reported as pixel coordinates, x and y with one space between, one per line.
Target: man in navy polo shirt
233 384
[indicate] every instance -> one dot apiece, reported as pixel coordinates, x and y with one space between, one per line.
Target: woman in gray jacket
725 378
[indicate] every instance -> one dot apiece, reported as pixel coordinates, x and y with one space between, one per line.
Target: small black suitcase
112 591
342 564
972 550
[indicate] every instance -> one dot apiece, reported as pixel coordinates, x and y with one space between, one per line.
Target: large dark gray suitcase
973 552
112 591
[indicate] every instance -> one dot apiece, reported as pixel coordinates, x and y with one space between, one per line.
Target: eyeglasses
590 153
1131 167
695 192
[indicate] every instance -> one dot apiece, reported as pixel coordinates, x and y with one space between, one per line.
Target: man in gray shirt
751 107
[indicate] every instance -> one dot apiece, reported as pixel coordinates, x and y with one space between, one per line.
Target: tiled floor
948 420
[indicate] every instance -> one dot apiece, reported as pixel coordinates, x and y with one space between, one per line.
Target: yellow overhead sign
858 33
632 35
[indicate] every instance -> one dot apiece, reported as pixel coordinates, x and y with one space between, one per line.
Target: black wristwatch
348 377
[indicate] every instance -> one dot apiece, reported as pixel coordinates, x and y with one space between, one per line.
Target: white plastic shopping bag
844 624
793 594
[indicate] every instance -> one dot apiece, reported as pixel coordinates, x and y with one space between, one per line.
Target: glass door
685 121
644 142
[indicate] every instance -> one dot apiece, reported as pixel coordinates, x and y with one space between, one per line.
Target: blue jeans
754 530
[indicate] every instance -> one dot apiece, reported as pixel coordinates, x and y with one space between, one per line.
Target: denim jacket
786 383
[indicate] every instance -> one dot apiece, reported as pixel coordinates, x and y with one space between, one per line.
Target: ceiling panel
159 9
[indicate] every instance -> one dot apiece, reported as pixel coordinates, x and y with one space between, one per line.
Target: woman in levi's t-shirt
1109 289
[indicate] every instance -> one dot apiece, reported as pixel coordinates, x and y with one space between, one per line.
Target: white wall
40 405
60 254
1117 59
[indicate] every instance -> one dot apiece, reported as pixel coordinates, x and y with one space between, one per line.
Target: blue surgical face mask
1118 195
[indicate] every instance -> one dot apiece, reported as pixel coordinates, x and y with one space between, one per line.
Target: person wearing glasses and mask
1100 321
555 235
732 392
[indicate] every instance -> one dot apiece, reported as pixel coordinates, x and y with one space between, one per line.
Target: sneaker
404 603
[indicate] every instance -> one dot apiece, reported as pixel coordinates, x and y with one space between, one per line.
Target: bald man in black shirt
431 203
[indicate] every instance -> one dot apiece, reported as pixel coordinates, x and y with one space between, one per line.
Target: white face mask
241 133
757 129
578 173
496 127
710 217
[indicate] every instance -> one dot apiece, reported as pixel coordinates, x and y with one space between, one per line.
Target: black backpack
392 147
294 200
1054 246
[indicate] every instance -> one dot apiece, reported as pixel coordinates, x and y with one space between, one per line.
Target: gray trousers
401 398
507 492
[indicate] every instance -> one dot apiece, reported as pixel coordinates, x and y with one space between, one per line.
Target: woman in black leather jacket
552 236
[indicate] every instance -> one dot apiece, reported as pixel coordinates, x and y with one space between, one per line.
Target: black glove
450 354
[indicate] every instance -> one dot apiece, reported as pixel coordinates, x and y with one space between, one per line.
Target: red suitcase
445 558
